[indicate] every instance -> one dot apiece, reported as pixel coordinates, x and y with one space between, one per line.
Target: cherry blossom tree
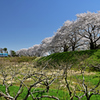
83 33
45 46
89 27
68 37
34 50
61 38
72 37
22 52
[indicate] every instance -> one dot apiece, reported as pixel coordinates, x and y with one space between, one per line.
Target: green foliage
5 50
12 53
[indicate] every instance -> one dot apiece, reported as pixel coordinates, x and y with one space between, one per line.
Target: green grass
62 95
13 90
88 58
89 79
19 59
94 59
67 56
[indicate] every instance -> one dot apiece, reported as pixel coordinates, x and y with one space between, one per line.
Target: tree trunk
73 48
65 48
92 46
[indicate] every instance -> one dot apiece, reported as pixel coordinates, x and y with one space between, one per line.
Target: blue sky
24 23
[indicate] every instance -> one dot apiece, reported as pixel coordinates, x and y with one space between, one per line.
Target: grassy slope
88 57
